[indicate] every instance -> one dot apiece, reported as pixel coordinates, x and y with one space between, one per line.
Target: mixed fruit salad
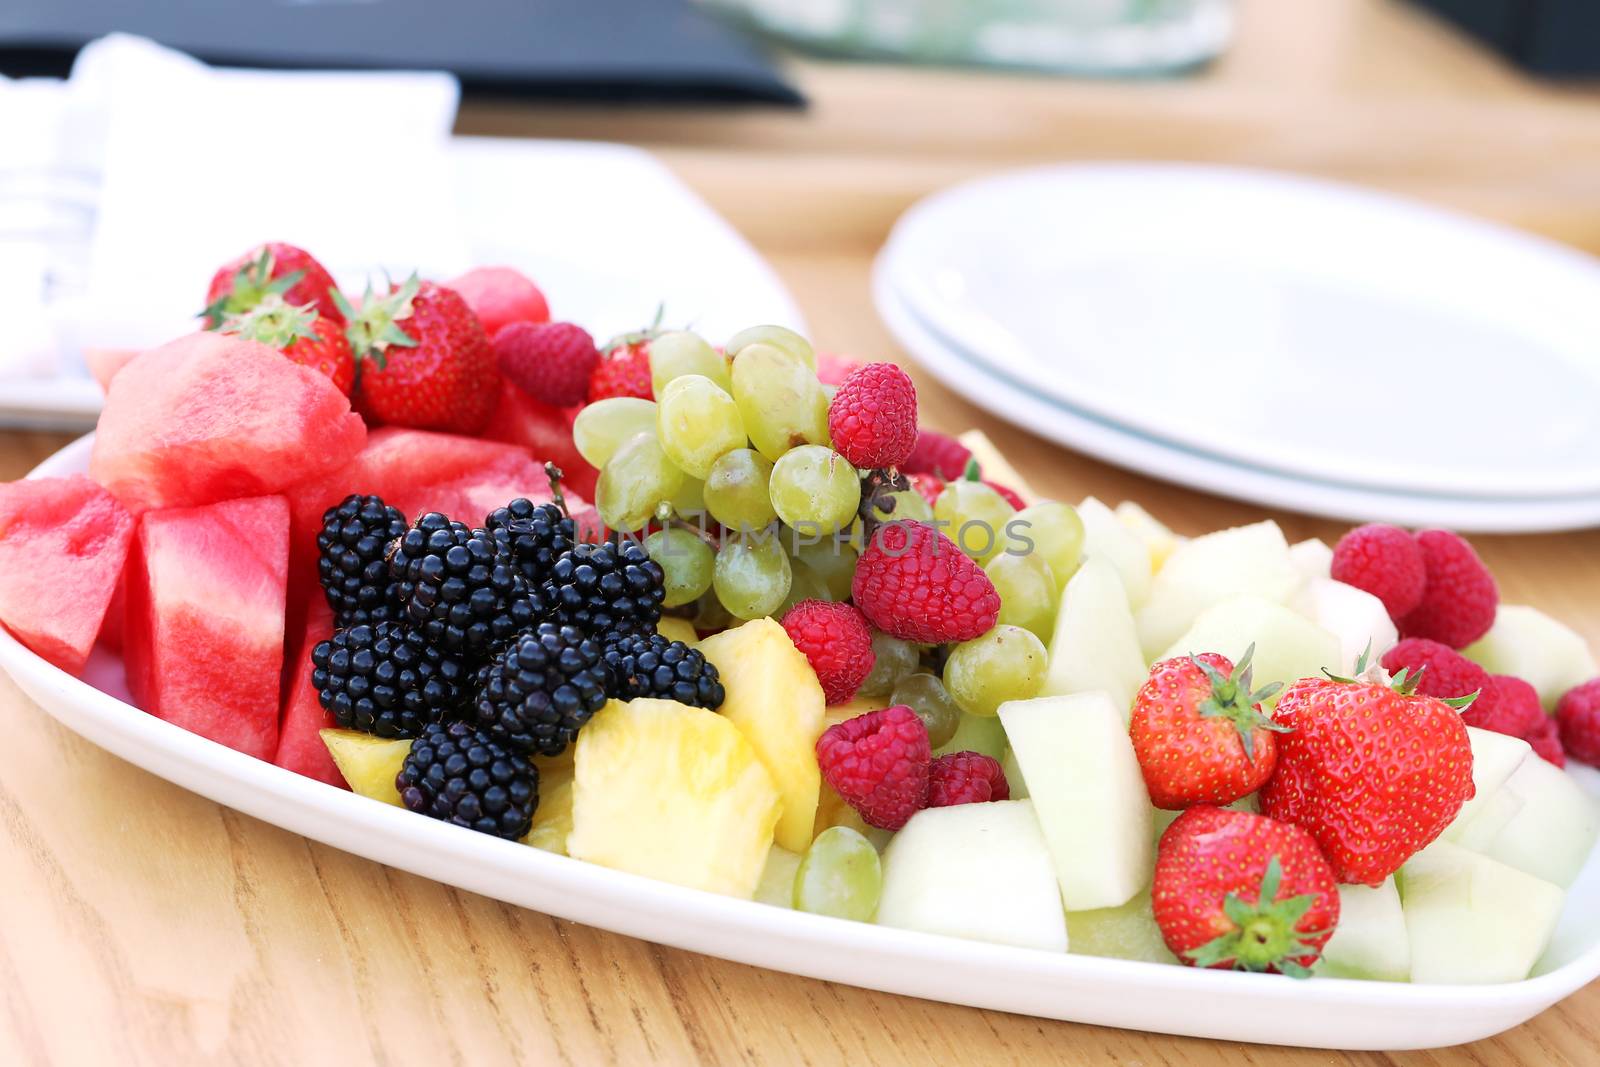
730 618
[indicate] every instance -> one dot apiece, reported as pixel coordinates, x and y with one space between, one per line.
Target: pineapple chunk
552 819
676 629
672 792
853 708
775 701
368 763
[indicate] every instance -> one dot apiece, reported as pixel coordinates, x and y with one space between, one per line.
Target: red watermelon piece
63 542
104 363
203 638
210 417
545 431
300 747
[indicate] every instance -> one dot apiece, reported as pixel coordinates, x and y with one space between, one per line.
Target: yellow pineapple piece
774 698
850 709
368 763
672 792
676 629
552 819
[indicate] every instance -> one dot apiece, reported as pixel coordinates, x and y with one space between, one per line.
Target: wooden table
148 925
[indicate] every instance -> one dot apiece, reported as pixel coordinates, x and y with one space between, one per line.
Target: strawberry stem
1231 699
1265 934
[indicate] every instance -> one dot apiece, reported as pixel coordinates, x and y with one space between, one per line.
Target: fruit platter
710 641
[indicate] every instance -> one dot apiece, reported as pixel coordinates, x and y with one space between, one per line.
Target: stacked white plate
1295 343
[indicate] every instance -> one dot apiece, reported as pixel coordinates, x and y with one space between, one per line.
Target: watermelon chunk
63 542
545 431
203 638
210 417
300 747
104 363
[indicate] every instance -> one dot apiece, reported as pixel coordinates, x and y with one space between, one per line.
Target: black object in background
1560 37
637 50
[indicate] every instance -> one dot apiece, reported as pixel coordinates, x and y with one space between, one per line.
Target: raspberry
912 582
1459 600
1579 716
878 762
966 778
626 372
1508 706
938 454
833 369
1546 741
873 417
1008 493
1386 562
929 485
1446 672
835 638
551 361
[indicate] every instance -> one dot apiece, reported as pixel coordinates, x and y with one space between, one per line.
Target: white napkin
189 166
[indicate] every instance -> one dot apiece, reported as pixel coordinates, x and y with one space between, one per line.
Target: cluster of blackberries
488 646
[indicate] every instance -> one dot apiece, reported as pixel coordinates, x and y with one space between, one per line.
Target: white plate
1313 328
608 232
1324 1012
1023 404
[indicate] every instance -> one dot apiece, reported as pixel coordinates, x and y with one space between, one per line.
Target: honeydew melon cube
1017 784
1095 645
1312 558
1085 783
1157 538
1126 932
1356 617
1495 757
1547 654
978 871
1471 920
1251 560
1370 940
1288 645
1105 537
1553 831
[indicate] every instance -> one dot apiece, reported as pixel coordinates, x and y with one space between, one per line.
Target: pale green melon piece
1013 772
1370 940
982 734
1356 617
1312 558
1547 654
1126 932
1245 560
777 878
1095 645
1288 645
1105 537
1494 758
1551 833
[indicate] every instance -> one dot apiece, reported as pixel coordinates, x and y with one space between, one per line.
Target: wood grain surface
145 925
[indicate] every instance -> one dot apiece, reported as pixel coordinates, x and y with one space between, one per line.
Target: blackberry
650 665
460 587
458 774
351 547
605 589
542 691
385 679
536 535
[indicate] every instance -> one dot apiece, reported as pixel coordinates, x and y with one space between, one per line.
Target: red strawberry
273 269
302 335
1374 771
1199 732
624 368
551 361
1239 891
500 296
912 582
425 361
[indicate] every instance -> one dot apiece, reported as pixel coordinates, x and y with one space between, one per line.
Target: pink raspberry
1446 673
938 454
1508 706
835 638
1546 741
966 778
1579 716
1009 494
1459 601
551 361
873 417
1386 562
878 762
912 582
833 369
929 485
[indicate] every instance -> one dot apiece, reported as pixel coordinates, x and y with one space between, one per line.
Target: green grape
780 399
830 556
982 734
927 696
1007 663
804 584
908 505
686 563
637 484
974 517
710 616
840 875
892 660
1057 536
697 423
679 352
689 502
777 337
605 424
1028 592
752 576
736 492
815 489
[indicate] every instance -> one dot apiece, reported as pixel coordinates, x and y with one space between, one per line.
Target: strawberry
1372 769
1238 891
1199 732
423 359
624 368
273 269
302 335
